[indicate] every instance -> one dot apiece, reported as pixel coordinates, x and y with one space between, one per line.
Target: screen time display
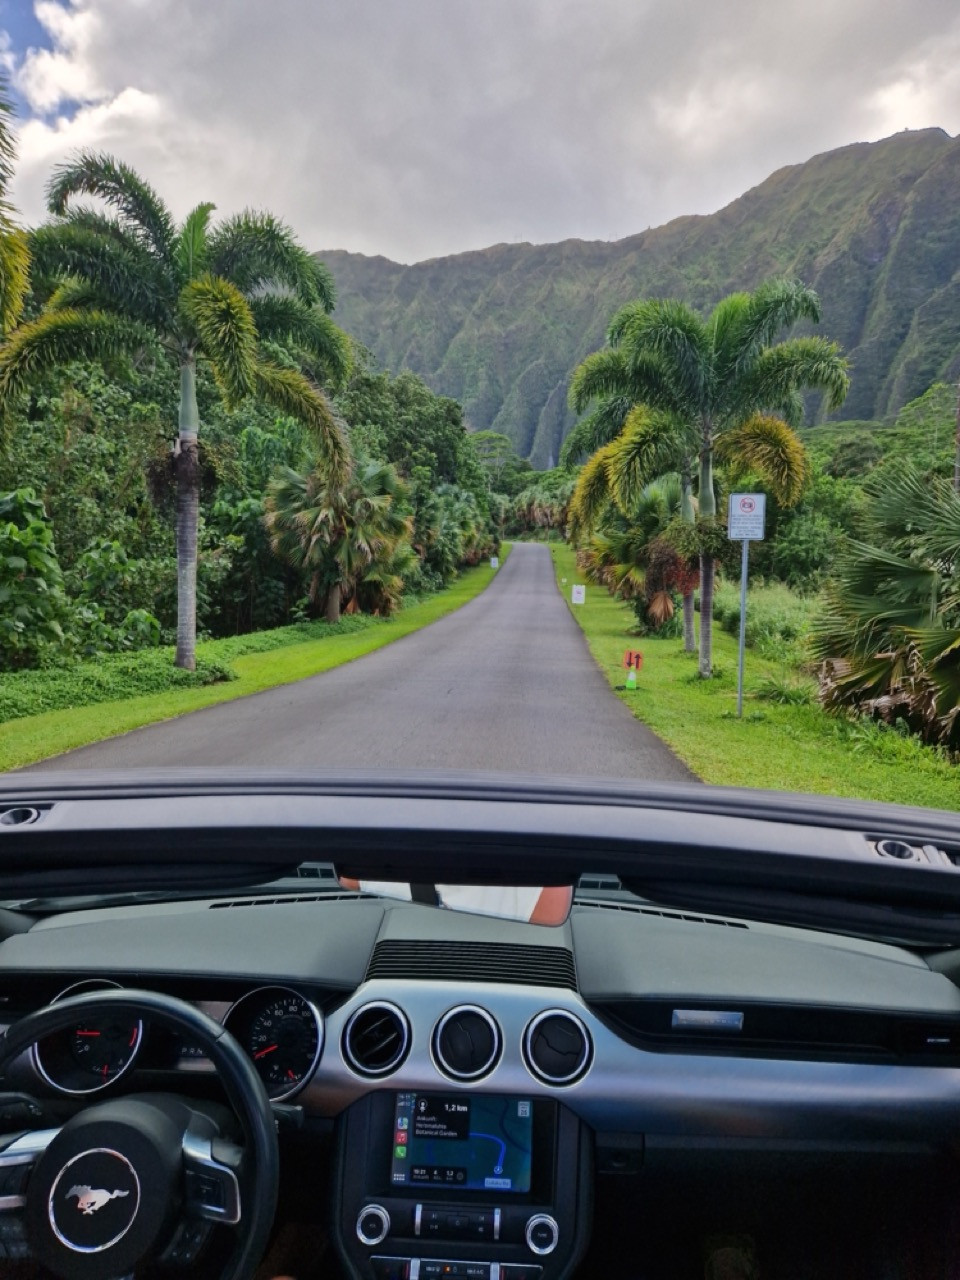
462 1143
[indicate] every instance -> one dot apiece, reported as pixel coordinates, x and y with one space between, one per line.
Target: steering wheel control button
542 1234
373 1225
94 1200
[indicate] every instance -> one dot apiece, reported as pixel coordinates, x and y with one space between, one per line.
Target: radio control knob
542 1234
373 1224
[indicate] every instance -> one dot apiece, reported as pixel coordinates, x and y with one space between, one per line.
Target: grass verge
783 747
28 739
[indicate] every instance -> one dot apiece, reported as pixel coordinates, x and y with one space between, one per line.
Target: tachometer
282 1032
92 1054
105 1048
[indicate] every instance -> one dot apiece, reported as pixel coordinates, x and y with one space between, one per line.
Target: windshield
539 390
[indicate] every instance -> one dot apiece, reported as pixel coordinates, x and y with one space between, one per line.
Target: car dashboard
629 1031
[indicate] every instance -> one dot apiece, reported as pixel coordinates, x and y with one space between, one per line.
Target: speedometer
283 1034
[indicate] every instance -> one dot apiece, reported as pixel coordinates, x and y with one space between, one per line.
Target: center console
461 1186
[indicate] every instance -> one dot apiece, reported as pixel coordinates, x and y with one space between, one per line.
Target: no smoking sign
745 517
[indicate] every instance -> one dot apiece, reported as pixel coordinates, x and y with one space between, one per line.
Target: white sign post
494 562
745 520
578 595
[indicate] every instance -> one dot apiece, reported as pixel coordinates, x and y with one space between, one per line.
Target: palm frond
58 337
769 447
591 496
284 318
600 376
650 444
595 430
121 187
799 363
221 318
673 333
293 394
14 273
743 324
8 141
117 267
254 250
190 248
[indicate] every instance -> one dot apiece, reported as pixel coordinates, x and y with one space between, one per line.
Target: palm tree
649 444
241 295
342 532
729 382
889 634
14 253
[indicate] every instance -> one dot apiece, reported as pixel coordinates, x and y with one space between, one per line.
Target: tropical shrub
33 605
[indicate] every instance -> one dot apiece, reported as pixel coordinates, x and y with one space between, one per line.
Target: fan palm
339 531
236 294
728 381
889 635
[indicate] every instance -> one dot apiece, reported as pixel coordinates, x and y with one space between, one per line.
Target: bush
33 604
778 619
109 679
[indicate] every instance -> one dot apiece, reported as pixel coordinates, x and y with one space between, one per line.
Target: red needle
133 1037
291 1075
263 1052
88 1033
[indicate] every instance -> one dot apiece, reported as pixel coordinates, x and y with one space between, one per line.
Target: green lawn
33 738
791 748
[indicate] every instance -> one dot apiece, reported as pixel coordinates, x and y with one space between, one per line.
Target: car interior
220 1062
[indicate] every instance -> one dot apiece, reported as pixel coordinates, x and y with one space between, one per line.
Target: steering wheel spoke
211 1175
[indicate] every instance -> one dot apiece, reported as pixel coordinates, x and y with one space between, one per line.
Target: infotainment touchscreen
464 1143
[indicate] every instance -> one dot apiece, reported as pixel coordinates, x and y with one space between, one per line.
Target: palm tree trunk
689 633
688 514
331 610
956 448
188 511
708 511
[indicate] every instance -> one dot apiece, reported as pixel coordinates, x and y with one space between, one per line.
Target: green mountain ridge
874 227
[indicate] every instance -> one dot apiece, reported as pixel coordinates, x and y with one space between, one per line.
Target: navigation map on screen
467 1143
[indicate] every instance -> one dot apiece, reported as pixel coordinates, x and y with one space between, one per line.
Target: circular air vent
898 849
557 1047
376 1039
466 1043
19 817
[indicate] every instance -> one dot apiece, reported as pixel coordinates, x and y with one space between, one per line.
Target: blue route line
498 1169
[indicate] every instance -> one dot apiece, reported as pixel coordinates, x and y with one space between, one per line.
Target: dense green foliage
93 443
874 228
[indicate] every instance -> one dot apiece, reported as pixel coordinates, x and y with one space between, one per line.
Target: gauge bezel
273 990
85 984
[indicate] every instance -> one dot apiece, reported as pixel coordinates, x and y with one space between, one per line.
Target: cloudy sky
416 128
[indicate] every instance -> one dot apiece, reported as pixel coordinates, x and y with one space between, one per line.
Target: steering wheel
140 1176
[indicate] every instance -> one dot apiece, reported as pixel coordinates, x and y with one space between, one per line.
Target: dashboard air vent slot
467 1043
376 1039
557 1047
286 899
474 962
663 913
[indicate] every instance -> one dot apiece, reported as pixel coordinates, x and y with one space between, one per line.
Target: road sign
494 562
578 595
745 517
633 659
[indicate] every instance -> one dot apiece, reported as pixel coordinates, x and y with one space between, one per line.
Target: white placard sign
745 517
578 595
494 562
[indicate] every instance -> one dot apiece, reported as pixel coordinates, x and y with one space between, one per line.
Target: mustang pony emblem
90 1200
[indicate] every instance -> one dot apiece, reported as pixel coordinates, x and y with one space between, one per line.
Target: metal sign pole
743 625
746 516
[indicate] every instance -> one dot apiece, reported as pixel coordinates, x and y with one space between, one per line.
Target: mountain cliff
874 227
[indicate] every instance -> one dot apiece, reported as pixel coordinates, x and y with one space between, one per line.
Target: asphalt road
505 683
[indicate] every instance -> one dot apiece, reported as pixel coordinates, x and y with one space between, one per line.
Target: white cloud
425 127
